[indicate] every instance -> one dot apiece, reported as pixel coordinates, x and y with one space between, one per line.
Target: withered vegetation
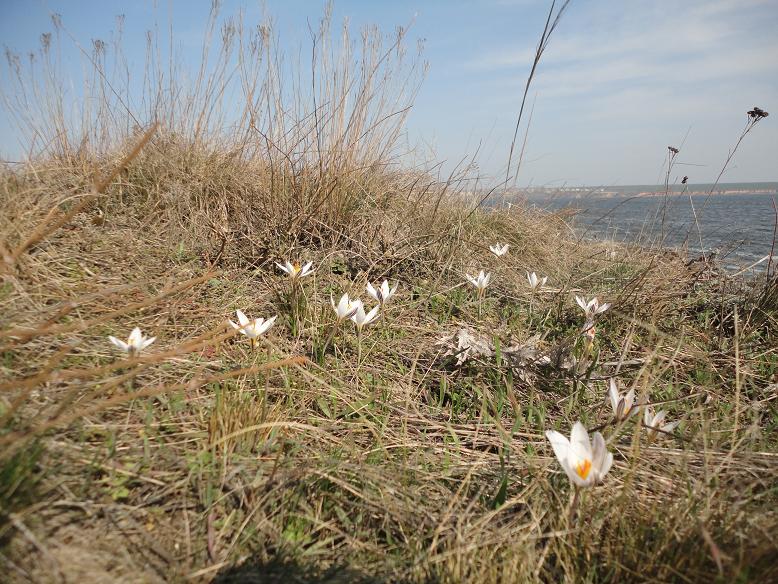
416 456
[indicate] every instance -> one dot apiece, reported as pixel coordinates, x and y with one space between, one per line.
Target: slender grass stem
574 506
330 336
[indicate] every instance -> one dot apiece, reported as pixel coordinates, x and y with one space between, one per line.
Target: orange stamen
582 468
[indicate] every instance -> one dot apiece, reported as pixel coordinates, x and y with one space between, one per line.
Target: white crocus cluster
354 309
381 293
345 308
535 282
591 307
136 342
360 318
253 329
585 462
480 282
622 404
294 270
654 423
499 250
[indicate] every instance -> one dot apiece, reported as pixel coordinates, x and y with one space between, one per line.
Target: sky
619 82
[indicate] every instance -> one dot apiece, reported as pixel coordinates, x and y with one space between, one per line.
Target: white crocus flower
591 307
360 318
535 282
345 308
253 329
654 422
622 404
295 271
136 342
586 463
499 250
480 282
383 293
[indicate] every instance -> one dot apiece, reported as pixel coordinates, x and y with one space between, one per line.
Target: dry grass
204 460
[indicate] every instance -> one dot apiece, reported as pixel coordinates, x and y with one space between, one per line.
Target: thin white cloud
680 49
634 77
649 35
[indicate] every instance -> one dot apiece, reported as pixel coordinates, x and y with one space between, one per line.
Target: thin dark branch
545 37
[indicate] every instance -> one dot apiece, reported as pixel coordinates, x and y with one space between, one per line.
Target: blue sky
620 81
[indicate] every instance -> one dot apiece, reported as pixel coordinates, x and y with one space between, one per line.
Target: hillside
414 451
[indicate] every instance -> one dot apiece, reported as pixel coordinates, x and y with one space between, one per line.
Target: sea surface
738 227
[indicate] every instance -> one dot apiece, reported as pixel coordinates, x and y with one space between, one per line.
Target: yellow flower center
582 469
296 268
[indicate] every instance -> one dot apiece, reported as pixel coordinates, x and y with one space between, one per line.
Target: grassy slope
387 463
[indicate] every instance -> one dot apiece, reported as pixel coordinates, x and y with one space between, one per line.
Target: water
737 227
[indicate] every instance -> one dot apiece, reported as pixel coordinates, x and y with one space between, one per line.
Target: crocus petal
393 290
370 316
602 308
576 479
119 343
629 399
242 318
359 314
147 342
602 459
136 337
372 291
560 444
582 303
580 446
613 393
670 427
598 450
262 327
648 416
346 307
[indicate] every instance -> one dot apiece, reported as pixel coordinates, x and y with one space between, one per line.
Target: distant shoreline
600 193
610 194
